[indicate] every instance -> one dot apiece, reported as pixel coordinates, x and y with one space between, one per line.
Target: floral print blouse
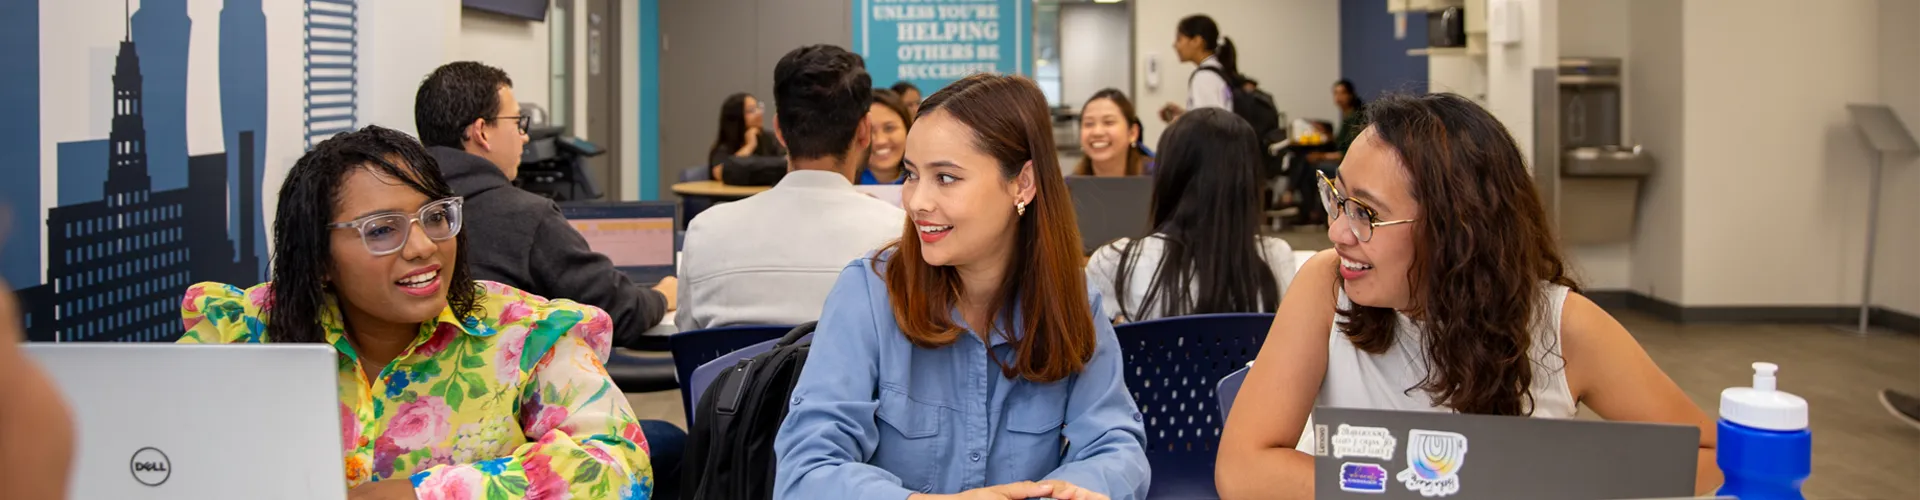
512 403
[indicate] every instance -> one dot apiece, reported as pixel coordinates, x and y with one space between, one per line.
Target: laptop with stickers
1389 455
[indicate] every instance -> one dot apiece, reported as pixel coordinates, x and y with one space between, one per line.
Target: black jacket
520 239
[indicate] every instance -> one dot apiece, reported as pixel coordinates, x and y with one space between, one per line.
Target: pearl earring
1020 208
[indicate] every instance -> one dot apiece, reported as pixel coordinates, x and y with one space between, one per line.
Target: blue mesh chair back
1172 366
1230 389
694 348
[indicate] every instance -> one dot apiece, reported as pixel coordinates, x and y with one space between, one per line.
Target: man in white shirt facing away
770 259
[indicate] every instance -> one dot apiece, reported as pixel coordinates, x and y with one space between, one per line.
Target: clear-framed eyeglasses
387 233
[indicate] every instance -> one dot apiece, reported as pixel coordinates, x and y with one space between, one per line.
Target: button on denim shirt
875 417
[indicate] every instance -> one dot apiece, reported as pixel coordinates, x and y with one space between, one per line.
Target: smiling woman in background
449 387
1110 137
1445 291
890 121
966 359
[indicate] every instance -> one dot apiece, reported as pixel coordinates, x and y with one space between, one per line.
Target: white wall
1510 69
1896 268
1776 173
1290 46
1656 72
518 46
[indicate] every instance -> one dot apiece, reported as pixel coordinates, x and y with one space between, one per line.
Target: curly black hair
302 248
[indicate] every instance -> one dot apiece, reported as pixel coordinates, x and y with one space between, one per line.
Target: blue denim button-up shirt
874 416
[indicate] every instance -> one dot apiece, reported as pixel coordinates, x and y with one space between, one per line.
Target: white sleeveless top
1357 379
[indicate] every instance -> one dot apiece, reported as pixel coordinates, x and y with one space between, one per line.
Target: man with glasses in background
468 118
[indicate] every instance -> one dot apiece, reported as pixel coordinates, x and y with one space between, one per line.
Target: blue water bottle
1765 448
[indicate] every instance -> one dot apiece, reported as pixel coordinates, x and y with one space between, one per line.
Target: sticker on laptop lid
1363 478
1434 459
1357 441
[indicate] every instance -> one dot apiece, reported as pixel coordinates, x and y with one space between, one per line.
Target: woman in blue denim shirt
904 396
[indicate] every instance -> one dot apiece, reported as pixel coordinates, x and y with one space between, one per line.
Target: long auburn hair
1044 281
1482 248
733 125
1206 212
303 244
1136 156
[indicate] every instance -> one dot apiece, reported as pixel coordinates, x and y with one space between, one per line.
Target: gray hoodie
520 239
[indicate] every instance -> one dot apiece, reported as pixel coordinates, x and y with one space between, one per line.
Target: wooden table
716 189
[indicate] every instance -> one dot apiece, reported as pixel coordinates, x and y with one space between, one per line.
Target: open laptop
1110 208
1390 455
637 235
165 421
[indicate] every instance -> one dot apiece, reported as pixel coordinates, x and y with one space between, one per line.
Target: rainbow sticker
1434 459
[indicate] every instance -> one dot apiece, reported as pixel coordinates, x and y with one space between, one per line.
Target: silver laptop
165 421
1110 208
1390 455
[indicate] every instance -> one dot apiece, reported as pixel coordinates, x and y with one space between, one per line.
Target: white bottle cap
1763 406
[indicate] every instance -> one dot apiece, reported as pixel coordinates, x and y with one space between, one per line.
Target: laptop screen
636 236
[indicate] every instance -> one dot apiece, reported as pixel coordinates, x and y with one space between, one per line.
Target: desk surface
716 189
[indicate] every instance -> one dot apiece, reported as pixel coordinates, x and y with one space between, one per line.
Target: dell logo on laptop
150 466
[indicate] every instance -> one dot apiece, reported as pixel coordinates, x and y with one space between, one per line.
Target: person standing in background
471 125
1206 254
1198 41
890 120
1110 137
909 96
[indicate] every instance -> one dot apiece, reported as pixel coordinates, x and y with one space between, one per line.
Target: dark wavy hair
733 125
310 199
1206 211
1482 249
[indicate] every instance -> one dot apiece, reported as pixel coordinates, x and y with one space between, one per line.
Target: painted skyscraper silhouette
116 266
163 29
243 107
20 146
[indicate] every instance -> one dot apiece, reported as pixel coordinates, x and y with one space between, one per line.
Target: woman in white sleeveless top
1445 291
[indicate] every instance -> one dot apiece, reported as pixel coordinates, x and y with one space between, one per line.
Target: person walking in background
1206 254
890 121
966 360
468 119
755 154
909 96
1198 41
1110 137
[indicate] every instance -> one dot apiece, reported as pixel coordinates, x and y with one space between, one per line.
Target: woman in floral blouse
449 387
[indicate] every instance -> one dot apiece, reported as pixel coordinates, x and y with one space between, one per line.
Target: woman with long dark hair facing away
1206 254
965 360
1110 137
742 134
448 386
890 121
1198 41
1445 291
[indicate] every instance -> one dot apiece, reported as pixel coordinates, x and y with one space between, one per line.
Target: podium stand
1887 135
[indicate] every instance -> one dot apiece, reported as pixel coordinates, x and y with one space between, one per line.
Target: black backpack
730 446
1255 107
